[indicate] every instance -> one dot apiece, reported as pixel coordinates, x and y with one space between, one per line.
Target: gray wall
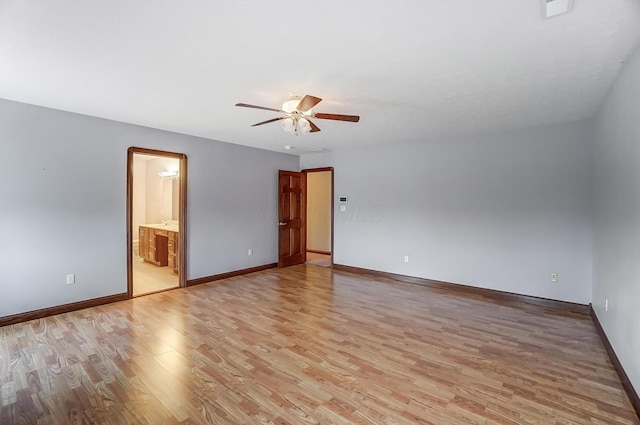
63 192
499 211
616 266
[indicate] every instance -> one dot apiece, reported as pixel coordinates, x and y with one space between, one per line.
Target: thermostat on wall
342 199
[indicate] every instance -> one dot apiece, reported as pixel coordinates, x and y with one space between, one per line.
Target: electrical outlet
71 279
250 252
553 277
406 258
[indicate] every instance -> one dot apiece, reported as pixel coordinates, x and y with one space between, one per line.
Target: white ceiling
412 69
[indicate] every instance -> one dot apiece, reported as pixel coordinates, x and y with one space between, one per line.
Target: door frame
182 213
331 203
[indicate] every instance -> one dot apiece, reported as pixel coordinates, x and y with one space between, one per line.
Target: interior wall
67 193
138 215
319 211
616 266
499 211
175 206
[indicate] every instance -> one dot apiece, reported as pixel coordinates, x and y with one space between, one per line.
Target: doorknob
282 223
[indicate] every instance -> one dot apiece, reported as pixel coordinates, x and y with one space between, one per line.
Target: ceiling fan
297 113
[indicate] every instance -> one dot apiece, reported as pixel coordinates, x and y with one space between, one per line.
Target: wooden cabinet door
173 251
151 246
162 248
143 243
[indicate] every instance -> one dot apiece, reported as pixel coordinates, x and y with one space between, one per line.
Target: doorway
320 216
156 211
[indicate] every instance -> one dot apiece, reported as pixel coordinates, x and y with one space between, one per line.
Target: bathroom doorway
156 188
319 210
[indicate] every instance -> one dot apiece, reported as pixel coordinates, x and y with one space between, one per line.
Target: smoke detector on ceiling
551 8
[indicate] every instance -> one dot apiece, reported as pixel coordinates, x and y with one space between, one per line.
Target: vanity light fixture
169 174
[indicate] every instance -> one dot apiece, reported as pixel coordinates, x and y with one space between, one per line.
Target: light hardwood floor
308 345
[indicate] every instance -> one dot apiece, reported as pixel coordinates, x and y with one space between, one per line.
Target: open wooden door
292 216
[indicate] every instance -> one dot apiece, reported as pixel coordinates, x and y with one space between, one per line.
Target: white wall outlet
71 279
606 304
406 258
250 252
553 277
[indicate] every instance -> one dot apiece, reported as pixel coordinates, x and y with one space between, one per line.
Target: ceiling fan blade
314 127
246 105
338 117
308 102
268 121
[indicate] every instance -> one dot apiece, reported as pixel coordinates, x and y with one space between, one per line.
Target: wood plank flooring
308 345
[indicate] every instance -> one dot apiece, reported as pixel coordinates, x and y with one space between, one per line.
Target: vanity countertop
169 227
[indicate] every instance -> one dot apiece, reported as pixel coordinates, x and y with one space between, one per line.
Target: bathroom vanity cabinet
159 245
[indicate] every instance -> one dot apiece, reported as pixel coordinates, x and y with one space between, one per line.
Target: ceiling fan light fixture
304 126
288 125
296 111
